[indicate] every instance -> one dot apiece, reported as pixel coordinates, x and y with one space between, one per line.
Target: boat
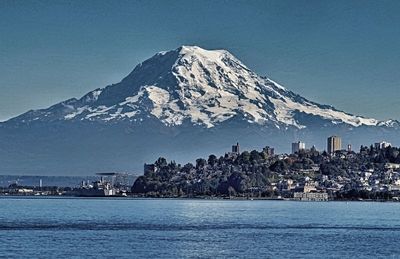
99 188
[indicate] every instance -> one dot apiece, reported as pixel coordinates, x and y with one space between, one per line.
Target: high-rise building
297 146
236 149
334 144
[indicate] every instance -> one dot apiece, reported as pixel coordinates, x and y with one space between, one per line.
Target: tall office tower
334 144
297 146
236 149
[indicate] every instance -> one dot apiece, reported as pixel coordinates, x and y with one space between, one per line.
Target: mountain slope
201 86
166 101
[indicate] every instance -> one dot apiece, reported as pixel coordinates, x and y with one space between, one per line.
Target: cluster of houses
324 187
311 185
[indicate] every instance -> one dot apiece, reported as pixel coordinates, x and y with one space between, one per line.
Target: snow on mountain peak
204 87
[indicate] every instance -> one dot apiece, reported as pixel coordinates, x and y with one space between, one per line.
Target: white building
310 196
297 146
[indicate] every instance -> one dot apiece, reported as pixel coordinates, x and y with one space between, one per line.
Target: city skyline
211 129
343 54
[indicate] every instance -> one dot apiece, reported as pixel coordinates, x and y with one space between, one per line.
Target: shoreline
37 197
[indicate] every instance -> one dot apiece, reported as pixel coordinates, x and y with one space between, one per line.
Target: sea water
169 228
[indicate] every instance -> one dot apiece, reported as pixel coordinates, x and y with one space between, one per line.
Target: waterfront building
310 196
309 187
309 192
334 144
297 146
99 188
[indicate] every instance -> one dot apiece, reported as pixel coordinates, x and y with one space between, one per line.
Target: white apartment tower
297 146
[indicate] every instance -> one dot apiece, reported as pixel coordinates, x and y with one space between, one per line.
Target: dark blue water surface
135 228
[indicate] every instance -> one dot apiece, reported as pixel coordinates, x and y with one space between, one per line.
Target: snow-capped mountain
177 95
205 87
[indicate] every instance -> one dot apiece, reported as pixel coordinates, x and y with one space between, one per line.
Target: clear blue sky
343 53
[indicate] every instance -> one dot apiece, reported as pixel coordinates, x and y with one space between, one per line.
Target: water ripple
179 227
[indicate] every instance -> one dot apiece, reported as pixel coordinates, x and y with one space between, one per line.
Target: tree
140 185
279 166
212 160
172 165
244 158
187 168
161 162
200 163
255 156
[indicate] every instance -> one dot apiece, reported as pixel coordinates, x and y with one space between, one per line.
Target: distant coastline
371 174
133 198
